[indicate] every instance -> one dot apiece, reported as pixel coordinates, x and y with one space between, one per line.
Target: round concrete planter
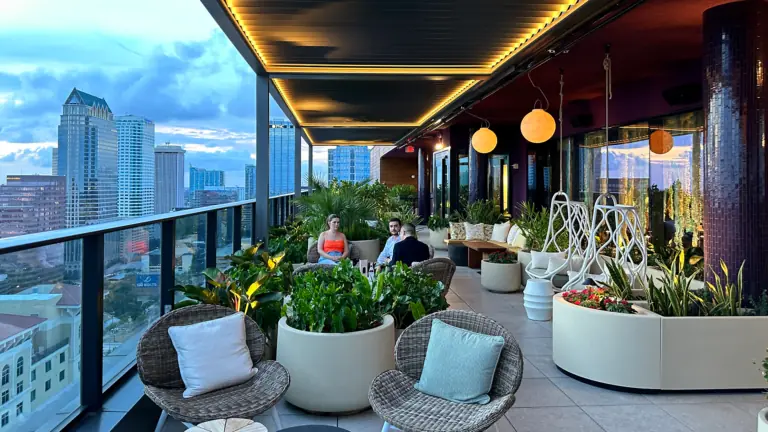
332 372
369 249
762 420
503 278
437 237
538 299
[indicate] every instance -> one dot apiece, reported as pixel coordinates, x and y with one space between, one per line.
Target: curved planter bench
648 351
331 372
369 249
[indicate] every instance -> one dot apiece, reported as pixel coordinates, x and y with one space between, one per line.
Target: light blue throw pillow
460 364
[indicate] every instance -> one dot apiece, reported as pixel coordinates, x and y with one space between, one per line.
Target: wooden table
229 425
479 250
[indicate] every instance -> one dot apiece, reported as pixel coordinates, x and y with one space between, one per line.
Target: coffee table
314 428
229 425
477 250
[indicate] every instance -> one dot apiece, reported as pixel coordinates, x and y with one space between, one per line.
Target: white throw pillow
540 260
519 241
212 354
500 232
513 233
474 232
556 263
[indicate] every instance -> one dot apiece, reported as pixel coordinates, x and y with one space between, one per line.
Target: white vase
762 420
538 299
332 372
437 238
500 277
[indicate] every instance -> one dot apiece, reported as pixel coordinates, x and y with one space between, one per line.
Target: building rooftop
11 325
88 99
71 295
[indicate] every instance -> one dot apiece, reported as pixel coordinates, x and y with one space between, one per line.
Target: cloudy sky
166 60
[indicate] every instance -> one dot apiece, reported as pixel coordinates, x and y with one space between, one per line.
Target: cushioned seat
558 280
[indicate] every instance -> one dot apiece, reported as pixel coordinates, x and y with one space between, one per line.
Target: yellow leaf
253 288
254 304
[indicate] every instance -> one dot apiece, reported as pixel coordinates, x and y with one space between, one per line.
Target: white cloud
201 148
7 148
207 134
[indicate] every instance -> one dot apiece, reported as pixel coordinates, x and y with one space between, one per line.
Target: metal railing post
254 238
167 265
211 229
92 321
236 220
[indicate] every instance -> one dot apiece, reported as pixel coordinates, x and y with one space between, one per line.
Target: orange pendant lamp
661 142
484 140
538 126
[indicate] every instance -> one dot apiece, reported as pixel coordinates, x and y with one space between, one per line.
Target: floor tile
551 419
751 407
634 418
367 421
585 394
540 392
536 346
502 425
545 365
530 371
712 417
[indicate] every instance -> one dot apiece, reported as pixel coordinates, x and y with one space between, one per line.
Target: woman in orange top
332 244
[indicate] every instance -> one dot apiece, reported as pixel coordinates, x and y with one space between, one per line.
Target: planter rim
388 321
763 415
488 262
641 312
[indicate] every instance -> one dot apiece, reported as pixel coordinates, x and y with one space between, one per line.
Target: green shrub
408 295
482 211
674 296
436 223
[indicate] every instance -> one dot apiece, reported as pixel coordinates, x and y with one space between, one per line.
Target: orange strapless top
333 246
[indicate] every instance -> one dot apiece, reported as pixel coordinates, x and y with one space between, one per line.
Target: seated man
394 230
409 249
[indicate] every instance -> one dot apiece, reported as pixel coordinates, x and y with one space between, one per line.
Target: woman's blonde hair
331 217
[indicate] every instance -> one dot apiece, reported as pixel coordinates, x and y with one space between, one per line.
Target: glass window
34 375
4 419
19 387
20 366
62 357
48 366
498 181
19 408
47 385
62 375
6 375
6 396
32 395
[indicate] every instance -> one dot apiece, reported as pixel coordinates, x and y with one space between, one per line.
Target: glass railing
75 302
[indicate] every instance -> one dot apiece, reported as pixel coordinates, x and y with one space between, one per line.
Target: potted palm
500 272
334 339
482 212
438 231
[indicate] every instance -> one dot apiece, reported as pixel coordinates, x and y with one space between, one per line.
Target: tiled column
422 189
735 180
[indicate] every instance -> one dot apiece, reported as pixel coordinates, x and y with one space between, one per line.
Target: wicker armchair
394 398
441 269
158 367
313 256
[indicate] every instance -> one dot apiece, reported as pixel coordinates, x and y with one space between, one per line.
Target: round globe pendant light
538 126
484 140
661 142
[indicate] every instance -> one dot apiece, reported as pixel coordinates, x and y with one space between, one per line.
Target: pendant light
538 126
484 139
661 142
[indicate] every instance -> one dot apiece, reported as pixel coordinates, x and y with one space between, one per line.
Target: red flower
577 302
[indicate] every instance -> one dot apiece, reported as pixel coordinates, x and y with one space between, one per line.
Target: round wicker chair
441 269
394 398
158 367
313 256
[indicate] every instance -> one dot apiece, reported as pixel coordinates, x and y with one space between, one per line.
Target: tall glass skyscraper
281 156
136 166
351 163
199 178
169 178
87 157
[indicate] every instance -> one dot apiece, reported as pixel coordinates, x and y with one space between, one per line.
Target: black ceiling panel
340 136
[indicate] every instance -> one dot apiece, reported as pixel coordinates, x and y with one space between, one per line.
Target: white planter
663 353
332 372
369 249
762 420
500 277
437 238
537 299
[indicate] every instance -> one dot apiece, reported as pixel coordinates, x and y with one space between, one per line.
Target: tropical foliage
408 295
619 284
673 297
436 223
534 224
343 198
292 238
482 211
724 296
254 284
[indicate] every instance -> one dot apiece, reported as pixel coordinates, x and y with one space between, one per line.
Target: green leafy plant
254 284
348 200
534 225
503 257
291 238
599 299
759 306
482 211
408 295
619 285
668 254
436 223
674 296
725 297
338 300
404 193
764 368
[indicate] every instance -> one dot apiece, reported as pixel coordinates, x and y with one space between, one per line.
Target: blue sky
165 60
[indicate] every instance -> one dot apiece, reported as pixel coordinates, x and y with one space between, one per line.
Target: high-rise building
250 181
169 178
136 166
54 161
352 163
87 157
281 156
214 195
376 153
200 178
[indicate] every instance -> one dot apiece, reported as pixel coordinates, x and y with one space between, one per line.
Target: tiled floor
549 401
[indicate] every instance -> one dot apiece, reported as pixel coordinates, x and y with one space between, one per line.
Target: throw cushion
474 232
513 233
540 260
500 232
457 231
487 232
212 354
556 263
460 364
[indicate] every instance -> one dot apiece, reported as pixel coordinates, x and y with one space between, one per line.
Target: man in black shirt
409 249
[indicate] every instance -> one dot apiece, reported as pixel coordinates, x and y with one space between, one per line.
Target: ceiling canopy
367 72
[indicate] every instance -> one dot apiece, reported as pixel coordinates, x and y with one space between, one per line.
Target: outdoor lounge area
424 216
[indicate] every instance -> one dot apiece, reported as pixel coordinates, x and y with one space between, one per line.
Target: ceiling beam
316 75
227 25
